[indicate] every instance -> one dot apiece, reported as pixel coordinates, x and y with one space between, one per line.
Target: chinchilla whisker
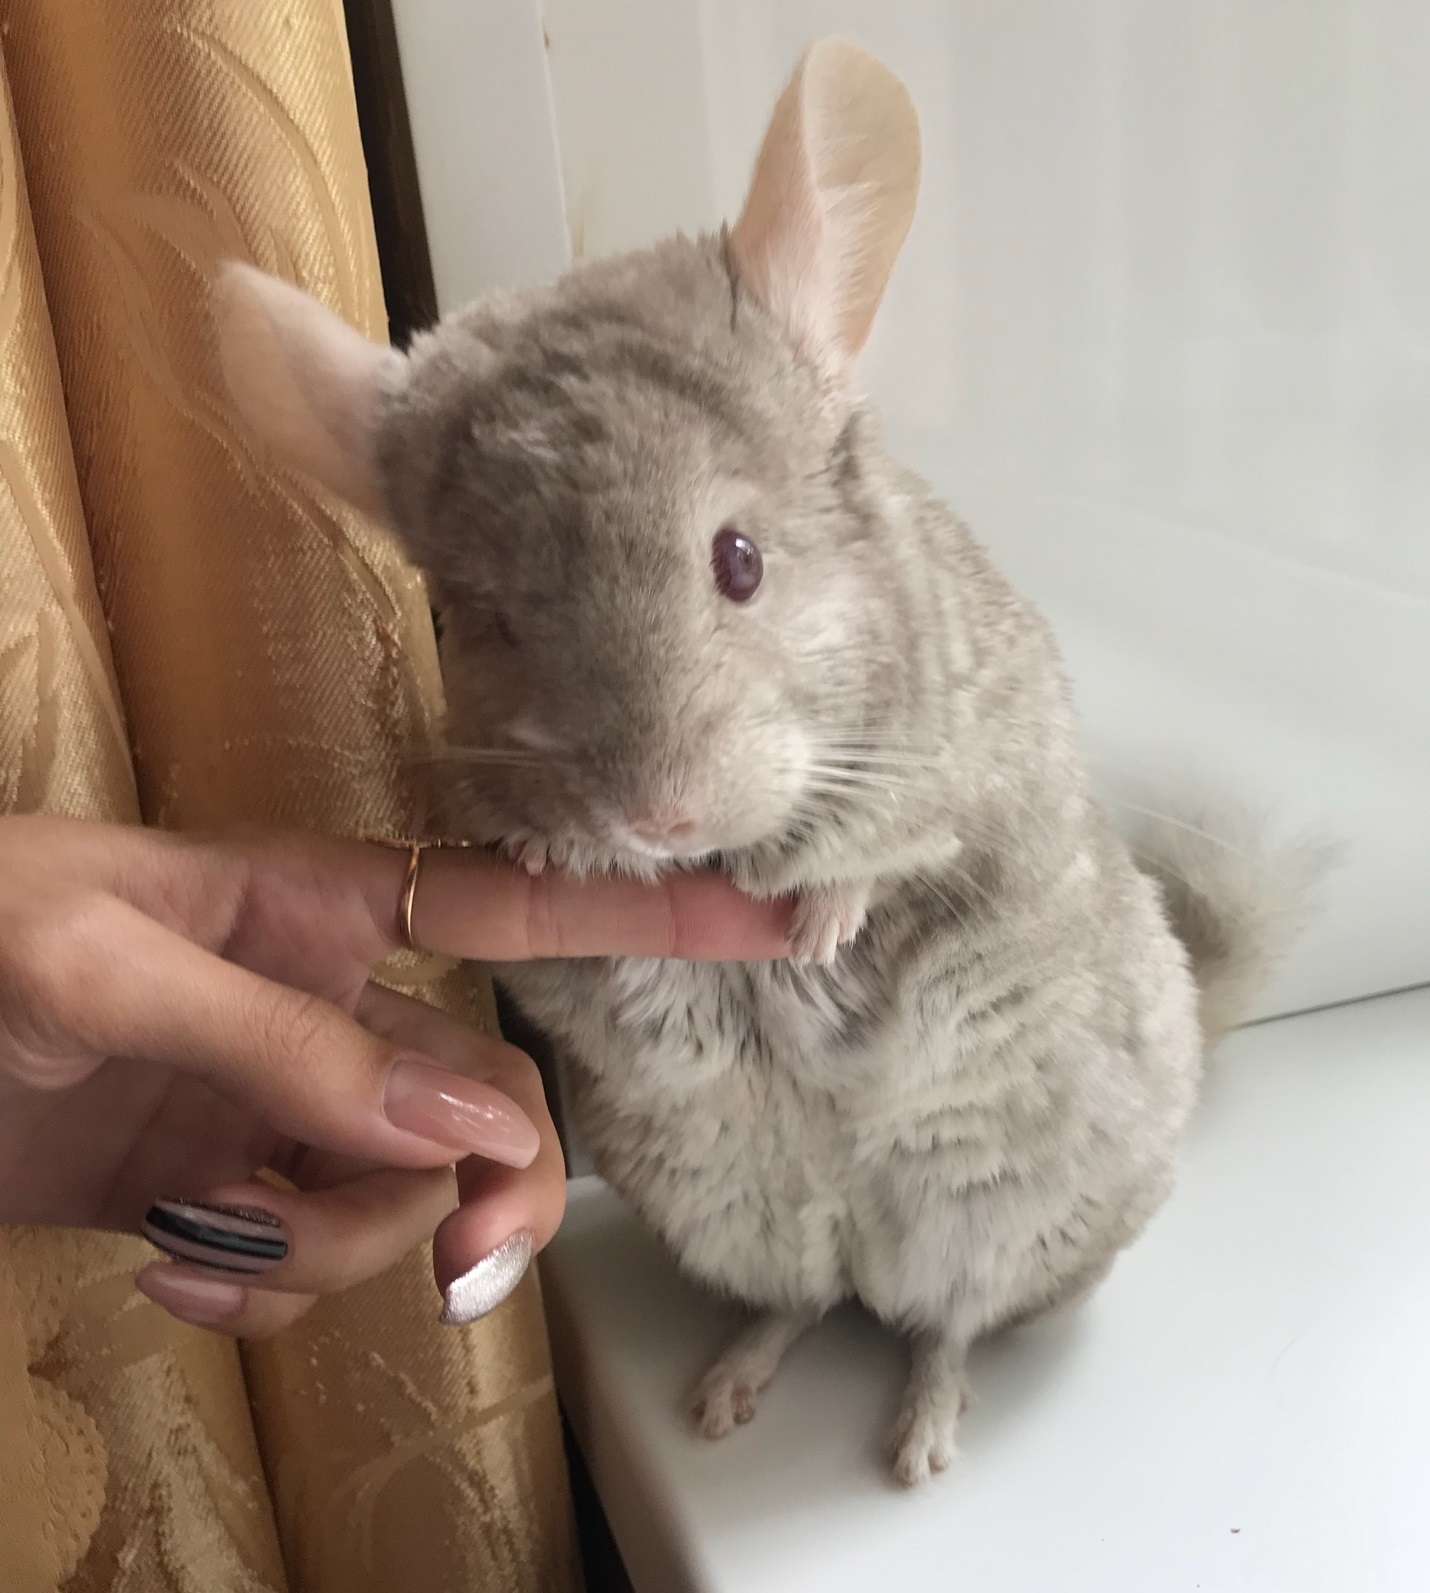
858 782
497 755
1184 825
872 779
937 890
856 758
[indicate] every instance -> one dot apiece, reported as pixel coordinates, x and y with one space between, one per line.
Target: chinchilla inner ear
831 201
303 381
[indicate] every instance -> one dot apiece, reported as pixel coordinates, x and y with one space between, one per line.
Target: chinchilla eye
738 567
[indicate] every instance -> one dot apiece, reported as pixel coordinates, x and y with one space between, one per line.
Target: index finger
476 905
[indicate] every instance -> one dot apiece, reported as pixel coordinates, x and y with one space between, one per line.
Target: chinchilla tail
1236 901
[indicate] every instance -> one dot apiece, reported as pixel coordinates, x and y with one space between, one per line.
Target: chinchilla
693 613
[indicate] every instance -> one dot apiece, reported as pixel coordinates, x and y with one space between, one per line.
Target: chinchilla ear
303 381
831 201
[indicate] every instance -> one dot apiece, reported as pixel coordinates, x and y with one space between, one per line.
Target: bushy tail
1235 901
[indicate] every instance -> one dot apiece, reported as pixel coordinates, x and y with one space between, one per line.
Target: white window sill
1244 1405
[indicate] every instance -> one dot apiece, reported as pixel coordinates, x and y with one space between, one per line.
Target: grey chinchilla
693 611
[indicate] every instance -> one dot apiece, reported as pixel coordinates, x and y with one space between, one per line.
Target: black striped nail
226 1238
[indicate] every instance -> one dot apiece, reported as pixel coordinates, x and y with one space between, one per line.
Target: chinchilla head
649 504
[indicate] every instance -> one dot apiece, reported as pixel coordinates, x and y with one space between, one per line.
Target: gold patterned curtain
189 638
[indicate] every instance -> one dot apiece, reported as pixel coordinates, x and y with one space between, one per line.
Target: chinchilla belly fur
961 1122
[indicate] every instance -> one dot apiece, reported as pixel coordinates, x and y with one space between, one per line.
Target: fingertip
482 1225
492 1280
712 920
202 1300
187 1294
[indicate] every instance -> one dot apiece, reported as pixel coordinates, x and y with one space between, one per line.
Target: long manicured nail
203 1302
226 1238
486 1285
459 1113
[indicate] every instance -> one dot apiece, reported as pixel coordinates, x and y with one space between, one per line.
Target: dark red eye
738 566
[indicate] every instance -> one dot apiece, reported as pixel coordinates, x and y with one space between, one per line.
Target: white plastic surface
1243 1408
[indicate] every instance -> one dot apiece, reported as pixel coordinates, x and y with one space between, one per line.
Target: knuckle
51 957
291 1023
48 966
543 925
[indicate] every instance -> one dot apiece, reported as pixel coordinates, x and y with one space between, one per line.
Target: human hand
179 1013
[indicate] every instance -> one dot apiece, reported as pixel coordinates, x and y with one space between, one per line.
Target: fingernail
457 1112
225 1238
202 1302
487 1284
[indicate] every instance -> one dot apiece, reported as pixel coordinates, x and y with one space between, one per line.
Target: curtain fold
64 747
127 1452
276 663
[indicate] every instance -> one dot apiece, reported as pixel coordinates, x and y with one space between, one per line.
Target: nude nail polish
202 1302
458 1112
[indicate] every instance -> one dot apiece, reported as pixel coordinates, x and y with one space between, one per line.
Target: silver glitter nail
487 1284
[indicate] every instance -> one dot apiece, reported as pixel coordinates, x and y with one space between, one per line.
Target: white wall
1161 333
479 103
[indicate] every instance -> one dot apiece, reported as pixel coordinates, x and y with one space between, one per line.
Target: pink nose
659 825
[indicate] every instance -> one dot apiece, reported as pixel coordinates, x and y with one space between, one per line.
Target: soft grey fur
967 1113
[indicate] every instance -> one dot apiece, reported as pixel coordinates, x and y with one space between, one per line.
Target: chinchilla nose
660 825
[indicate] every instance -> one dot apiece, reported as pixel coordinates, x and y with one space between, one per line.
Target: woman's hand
177 1013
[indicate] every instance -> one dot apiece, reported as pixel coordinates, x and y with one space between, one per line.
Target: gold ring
407 897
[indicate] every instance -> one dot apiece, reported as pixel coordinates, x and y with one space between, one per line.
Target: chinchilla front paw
827 917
